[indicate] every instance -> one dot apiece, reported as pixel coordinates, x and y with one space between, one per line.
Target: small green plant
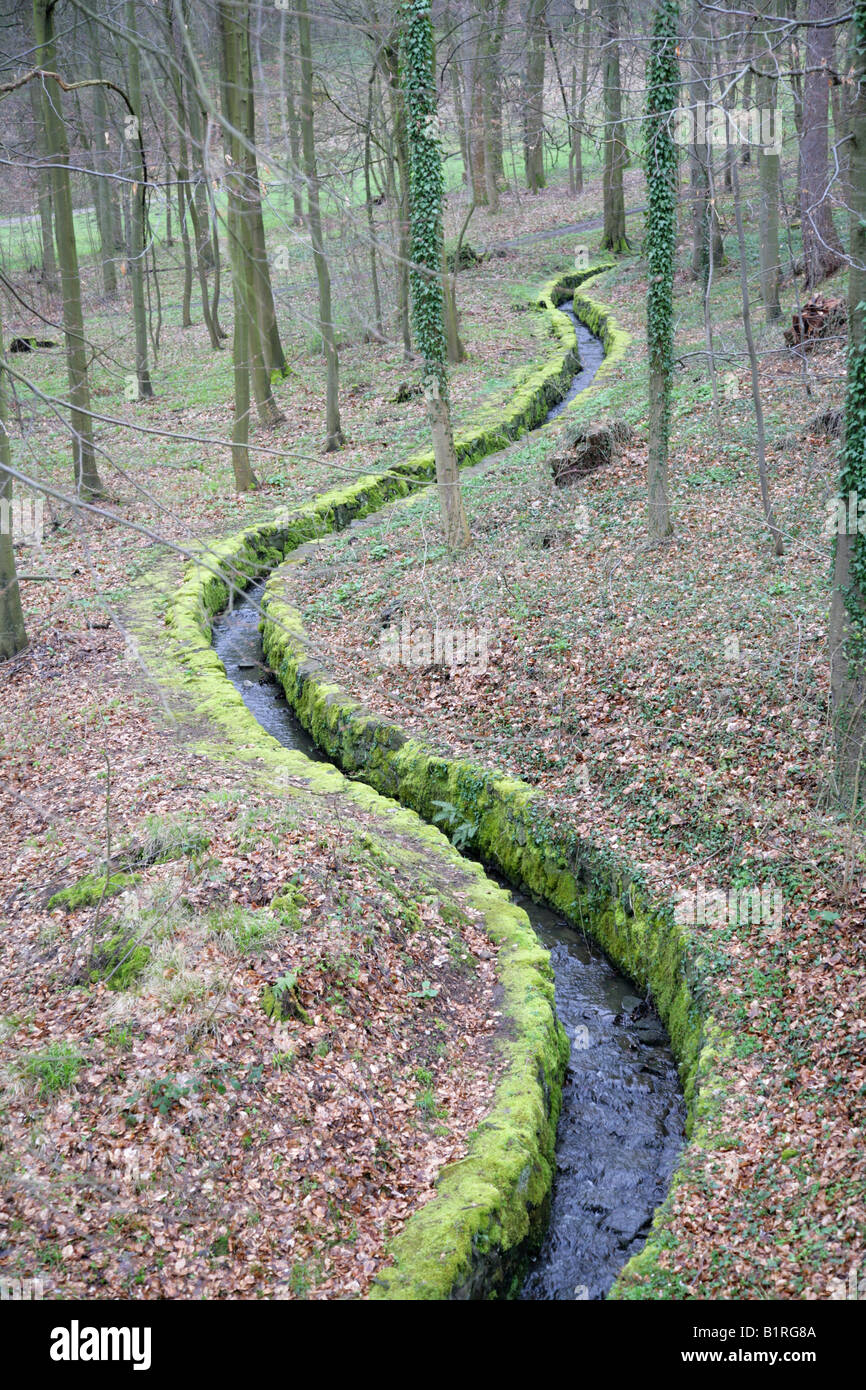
54 1070
280 1000
427 991
251 931
119 1036
425 1101
167 1092
462 832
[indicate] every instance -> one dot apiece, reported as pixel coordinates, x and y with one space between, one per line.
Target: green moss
280 1001
91 889
490 1210
120 960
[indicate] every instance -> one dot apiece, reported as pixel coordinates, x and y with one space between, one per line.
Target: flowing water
622 1121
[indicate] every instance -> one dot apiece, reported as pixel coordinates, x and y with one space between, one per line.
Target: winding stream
622 1121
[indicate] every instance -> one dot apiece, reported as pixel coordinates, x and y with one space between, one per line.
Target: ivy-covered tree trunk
13 635
660 163
613 237
426 185
87 480
333 428
848 606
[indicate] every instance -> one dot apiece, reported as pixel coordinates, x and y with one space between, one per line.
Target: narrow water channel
622 1121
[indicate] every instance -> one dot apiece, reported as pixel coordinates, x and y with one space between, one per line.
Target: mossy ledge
473 1239
517 833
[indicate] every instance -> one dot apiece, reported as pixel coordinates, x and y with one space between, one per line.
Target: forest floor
672 704
160 1140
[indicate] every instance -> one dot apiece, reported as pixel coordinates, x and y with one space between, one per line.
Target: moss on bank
473 1239
91 889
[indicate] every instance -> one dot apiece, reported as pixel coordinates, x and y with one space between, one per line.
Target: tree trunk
768 179
848 604
87 480
101 184
333 430
390 66
371 220
425 164
577 140
290 113
183 223
43 193
138 212
613 237
248 280
662 83
534 96
706 233
822 250
13 635
769 515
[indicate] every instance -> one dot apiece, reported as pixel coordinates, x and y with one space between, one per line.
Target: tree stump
585 447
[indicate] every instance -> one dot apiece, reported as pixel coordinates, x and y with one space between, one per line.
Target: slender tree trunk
183 223
490 109
425 155
101 184
247 285
822 250
43 193
138 213
534 96
290 111
455 65
705 225
769 514
577 142
13 635
769 160
390 65
333 430
87 481
371 220
613 237
848 605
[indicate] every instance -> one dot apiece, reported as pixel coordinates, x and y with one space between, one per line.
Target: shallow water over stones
621 1127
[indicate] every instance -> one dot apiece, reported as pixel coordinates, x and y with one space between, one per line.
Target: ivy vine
661 168
425 189
853 466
